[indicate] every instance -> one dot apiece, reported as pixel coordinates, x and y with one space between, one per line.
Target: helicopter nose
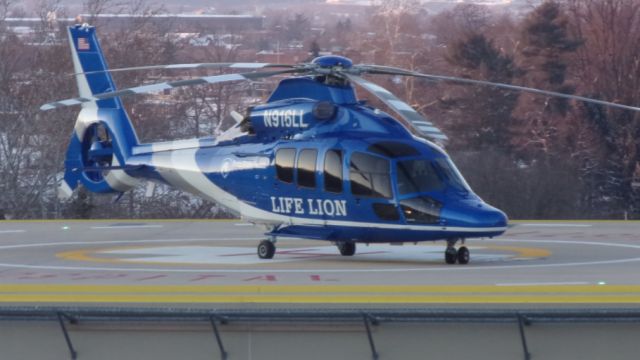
476 214
494 218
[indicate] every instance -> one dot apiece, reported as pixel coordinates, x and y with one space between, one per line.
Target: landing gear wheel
450 255
463 255
266 249
346 248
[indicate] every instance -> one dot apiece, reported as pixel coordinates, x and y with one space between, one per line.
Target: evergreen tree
546 46
484 119
314 49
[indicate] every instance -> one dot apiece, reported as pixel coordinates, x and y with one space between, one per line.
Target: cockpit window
369 175
422 175
421 210
450 174
415 176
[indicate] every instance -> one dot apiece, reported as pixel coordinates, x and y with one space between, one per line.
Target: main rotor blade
406 112
152 88
387 70
191 66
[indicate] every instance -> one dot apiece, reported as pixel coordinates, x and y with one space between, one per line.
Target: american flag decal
83 44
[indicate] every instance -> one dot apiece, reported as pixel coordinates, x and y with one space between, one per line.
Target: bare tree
95 8
611 29
5 8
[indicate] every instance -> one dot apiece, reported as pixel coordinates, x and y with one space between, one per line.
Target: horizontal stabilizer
319 233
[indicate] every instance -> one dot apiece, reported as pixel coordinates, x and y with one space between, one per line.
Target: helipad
200 262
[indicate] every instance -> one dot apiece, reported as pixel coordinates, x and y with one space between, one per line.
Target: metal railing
368 317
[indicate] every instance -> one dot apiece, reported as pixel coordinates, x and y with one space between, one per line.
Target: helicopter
312 162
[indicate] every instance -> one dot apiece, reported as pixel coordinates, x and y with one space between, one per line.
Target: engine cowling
285 118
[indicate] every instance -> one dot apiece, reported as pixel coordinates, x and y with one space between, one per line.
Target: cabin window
307 168
333 171
285 159
369 175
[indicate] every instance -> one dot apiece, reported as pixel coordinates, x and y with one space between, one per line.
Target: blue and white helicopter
312 162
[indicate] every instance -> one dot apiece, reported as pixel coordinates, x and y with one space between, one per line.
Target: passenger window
333 171
284 164
307 168
369 176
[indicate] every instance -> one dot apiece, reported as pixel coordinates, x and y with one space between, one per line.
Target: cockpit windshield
416 176
425 175
450 174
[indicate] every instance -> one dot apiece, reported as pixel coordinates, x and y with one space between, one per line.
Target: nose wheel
451 255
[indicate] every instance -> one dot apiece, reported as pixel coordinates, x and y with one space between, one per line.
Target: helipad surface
215 262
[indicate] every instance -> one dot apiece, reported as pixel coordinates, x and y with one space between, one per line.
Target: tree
462 21
95 8
546 46
545 50
297 27
481 116
314 49
5 7
611 29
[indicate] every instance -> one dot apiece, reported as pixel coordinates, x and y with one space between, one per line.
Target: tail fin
103 134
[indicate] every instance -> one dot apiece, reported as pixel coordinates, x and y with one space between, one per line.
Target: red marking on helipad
304 253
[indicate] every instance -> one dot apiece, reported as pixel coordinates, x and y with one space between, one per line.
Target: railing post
522 321
374 352
72 351
223 353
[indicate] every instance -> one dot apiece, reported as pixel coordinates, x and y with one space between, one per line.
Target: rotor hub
332 61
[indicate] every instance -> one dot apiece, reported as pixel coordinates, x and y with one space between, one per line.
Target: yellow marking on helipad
93 255
522 252
319 294
83 255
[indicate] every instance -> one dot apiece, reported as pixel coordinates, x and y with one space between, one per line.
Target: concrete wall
99 340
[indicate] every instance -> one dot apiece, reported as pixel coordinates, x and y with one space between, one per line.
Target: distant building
180 23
